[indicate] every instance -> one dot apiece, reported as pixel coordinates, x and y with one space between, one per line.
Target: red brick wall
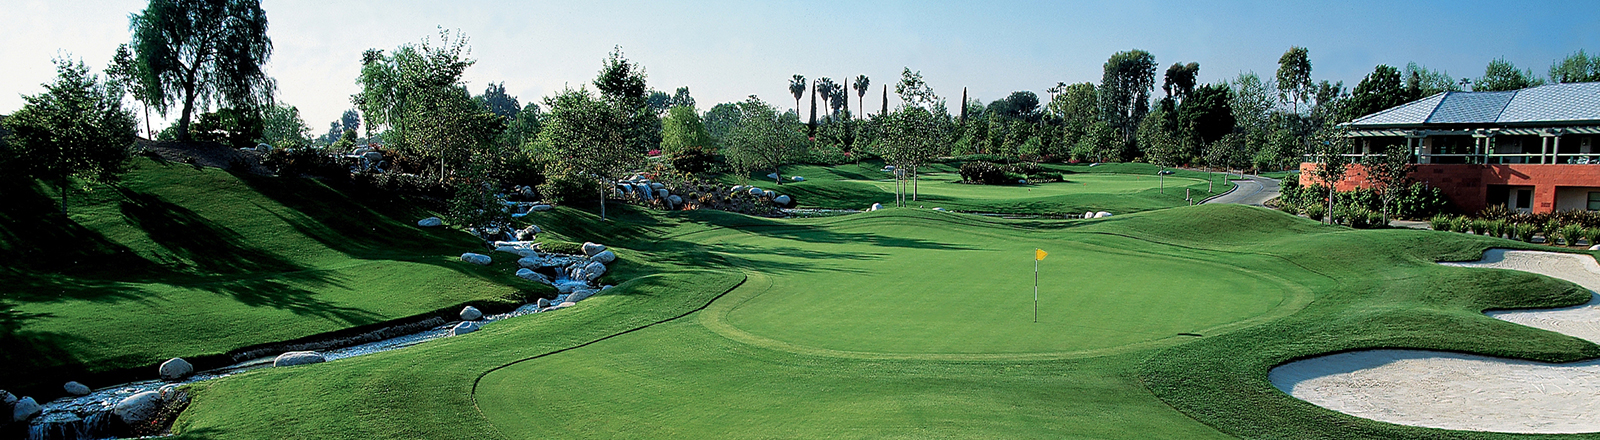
1467 185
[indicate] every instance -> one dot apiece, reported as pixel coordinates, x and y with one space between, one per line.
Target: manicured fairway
1118 188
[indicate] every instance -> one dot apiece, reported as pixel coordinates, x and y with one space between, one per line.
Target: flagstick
1035 290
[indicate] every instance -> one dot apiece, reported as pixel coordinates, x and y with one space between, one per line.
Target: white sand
1468 392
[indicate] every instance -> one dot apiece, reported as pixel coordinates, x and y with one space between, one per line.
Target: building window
1594 201
1525 198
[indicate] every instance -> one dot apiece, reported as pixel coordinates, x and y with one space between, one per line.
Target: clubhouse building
1532 150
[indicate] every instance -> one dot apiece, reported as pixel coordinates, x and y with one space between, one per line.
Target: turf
201 261
1117 188
670 356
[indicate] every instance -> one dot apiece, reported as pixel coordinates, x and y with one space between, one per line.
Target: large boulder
737 188
7 399
580 295
75 388
590 249
782 200
797 179
531 261
530 275
605 256
570 286
471 313
875 207
662 193
430 222
1088 214
773 176
463 328
175 368
593 270
542 303
1102 214
25 409
644 191
769 194
478 259
657 185
757 192
1595 247
138 408
540 208
675 200
528 233
293 358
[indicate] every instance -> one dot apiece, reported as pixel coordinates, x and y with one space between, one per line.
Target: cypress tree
812 127
963 106
885 110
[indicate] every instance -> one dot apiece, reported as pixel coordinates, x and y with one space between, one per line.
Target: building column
1544 149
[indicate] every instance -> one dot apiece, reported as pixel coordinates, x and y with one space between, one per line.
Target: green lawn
1118 188
814 328
185 262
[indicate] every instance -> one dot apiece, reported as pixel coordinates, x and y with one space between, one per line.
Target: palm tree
861 91
797 87
827 88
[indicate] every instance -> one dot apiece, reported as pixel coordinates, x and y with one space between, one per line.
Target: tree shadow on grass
355 221
36 239
819 234
211 248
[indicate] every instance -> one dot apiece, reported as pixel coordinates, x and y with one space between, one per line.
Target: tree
77 128
1294 77
585 138
1252 102
497 101
1423 82
1387 174
761 141
135 78
1328 148
912 138
826 87
861 92
1022 105
913 90
1378 91
1125 90
204 51
1180 79
418 93
282 127
885 101
622 83
524 128
1208 115
720 121
1162 147
797 87
682 130
1501 76
681 98
1078 107
1578 67
1100 143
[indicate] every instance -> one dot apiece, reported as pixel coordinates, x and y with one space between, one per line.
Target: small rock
938 209
430 222
657 185
606 287
605 256
590 249
7 398
478 259
662 194
25 409
540 208
737 188
293 358
1022 181
175 368
782 200
1088 214
76 389
797 179
570 286
675 200
531 261
769 194
756 192
528 233
1102 214
542 303
464 328
1595 247
772 176
875 207
471 313
138 407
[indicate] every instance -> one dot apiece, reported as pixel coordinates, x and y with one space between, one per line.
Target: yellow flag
1039 254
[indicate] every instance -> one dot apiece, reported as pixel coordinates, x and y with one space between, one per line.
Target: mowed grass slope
1118 188
646 361
182 262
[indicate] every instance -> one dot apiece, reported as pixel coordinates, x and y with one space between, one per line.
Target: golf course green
1117 188
899 323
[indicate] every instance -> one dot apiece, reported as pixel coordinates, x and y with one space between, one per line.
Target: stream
89 417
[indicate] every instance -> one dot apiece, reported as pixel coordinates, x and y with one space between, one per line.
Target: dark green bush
694 160
986 173
570 190
294 162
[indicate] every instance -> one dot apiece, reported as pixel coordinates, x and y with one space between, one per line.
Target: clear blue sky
725 50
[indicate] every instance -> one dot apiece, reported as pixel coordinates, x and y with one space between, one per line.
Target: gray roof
1559 104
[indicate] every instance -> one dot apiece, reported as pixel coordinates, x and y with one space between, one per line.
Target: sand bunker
1468 392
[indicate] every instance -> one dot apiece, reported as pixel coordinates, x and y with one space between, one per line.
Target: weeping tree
584 138
77 128
200 52
418 94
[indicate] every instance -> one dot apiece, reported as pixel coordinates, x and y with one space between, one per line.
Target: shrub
1497 228
1478 226
294 162
1571 233
1592 235
567 189
1524 232
561 247
1316 212
986 173
1441 222
1496 212
694 160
